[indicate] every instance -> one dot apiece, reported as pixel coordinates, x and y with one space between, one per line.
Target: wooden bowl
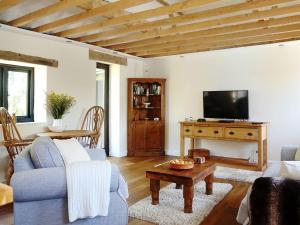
179 166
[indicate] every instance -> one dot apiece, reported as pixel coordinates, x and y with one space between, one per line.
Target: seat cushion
45 154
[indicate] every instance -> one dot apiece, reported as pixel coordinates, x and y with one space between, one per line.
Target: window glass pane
17 93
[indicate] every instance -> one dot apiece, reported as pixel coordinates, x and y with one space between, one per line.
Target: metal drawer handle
231 133
250 134
216 132
187 130
199 131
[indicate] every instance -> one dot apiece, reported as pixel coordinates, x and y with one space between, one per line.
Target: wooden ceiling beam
165 10
175 39
267 39
102 10
204 41
166 3
33 16
202 25
249 5
6 4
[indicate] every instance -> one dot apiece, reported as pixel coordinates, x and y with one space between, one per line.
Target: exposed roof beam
184 19
219 38
203 25
102 10
6 4
166 3
266 39
152 44
165 10
33 16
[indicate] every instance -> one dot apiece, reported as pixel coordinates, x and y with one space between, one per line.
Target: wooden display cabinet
146 116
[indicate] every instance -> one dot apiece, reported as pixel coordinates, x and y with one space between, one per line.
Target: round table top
67 134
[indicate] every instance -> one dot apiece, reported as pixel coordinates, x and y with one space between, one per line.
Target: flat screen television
226 104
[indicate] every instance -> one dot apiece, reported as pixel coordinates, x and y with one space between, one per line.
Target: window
17 91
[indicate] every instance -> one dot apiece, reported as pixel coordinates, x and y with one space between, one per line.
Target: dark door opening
102 99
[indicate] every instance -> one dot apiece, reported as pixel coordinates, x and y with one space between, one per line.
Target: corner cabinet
146 116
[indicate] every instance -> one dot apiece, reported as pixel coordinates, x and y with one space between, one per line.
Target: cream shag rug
171 203
237 174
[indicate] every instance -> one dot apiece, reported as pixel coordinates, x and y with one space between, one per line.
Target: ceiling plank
165 10
249 5
152 44
6 4
219 38
203 25
13 56
33 16
102 10
250 41
104 57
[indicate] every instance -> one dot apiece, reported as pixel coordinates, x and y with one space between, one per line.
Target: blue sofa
40 195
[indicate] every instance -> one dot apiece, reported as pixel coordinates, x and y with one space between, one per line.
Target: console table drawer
208 131
241 133
187 130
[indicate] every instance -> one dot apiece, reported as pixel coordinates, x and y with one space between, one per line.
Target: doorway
102 99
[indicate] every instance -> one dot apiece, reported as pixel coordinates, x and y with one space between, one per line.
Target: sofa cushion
290 169
44 153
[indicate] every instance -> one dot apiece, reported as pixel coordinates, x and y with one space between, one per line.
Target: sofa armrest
288 153
96 154
48 183
39 184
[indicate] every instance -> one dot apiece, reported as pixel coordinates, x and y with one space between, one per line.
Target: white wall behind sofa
76 76
271 73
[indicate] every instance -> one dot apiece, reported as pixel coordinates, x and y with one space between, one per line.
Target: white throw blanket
88 189
88 182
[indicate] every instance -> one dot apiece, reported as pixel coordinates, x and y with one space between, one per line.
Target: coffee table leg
188 195
178 186
209 184
154 188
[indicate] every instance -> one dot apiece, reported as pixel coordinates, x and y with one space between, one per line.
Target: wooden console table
235 131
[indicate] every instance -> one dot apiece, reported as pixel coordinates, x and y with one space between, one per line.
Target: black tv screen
226 104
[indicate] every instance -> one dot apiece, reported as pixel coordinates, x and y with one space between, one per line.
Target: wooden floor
133 169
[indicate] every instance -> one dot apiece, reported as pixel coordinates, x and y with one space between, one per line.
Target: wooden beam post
13 56
100 56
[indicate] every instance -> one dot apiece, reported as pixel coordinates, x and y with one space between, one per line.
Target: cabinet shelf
146 95
146 108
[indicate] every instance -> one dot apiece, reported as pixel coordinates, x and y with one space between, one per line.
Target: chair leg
10 171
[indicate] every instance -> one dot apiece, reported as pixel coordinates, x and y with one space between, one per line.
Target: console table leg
154 188
209 184
188 195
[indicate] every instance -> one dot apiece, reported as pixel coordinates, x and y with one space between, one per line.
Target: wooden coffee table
187 178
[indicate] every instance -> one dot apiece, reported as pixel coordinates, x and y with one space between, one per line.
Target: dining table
66 134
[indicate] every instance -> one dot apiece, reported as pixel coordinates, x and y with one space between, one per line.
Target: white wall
118 112
76 76
271 73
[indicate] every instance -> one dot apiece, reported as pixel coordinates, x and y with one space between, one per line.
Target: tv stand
237 131
226 121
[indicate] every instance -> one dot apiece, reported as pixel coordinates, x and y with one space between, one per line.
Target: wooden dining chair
13 141
93 121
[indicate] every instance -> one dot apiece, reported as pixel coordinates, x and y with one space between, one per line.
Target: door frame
105 67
